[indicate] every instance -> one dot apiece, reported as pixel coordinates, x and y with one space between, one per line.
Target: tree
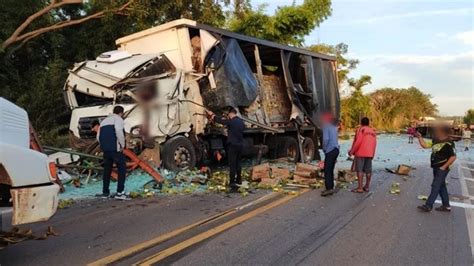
469 117
19 35
288 25
344 65
395 108
357 104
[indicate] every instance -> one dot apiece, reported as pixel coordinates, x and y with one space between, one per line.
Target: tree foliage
395 108
387 108
288 25
354 107
344 65
469 117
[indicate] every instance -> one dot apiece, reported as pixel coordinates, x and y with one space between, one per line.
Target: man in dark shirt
235 140
442 157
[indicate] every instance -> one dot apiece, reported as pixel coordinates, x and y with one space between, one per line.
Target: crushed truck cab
24 173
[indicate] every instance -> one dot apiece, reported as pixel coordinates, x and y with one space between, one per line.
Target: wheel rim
182 157
308 152
292 152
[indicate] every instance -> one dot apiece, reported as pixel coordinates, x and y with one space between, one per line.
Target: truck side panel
169 42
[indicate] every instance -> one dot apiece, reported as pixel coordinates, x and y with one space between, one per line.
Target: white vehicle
24 173
163 76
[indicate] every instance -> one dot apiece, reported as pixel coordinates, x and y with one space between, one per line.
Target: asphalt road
375 228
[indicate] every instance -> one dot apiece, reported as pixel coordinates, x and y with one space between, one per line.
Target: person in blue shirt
331 152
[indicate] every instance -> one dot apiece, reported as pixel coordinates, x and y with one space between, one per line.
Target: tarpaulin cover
235 82
326 86
296 107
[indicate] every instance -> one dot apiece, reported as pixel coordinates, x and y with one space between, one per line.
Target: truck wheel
289 149
179 154
308 149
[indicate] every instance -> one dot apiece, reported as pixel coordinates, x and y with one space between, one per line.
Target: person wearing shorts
363 165
363 148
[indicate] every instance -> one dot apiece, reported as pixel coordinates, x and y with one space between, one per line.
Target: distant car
25 174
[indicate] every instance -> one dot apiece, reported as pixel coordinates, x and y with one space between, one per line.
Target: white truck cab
24 173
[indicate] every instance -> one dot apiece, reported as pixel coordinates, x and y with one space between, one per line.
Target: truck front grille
85 131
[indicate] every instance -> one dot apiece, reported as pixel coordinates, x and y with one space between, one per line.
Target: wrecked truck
26 178
167 76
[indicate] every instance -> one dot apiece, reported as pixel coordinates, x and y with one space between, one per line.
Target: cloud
467 37
449 78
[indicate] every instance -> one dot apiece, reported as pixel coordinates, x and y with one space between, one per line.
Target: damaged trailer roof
194 24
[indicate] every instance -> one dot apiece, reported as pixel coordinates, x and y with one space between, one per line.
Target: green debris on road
422 197
395 188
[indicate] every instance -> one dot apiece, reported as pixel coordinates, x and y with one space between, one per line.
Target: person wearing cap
331 152
235 142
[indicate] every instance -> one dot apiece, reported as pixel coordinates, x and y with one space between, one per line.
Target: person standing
443 156
466 137
411 133
111 138
331 152
235 142
95 127
363 148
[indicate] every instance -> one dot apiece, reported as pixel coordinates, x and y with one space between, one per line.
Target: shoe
121 196
234 189
103 195
443 208
424 208
327 192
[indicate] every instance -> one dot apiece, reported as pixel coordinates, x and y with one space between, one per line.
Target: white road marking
469 211
458 204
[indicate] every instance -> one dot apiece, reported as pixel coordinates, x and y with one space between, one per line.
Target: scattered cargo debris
402 169
17 235
346 176
306 174
65 203
395 188
422 197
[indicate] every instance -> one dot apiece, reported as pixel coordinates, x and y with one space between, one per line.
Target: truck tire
179 154
308 149
288 148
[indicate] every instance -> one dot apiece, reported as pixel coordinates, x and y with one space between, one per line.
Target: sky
401 43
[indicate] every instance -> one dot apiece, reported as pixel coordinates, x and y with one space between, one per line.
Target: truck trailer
167 76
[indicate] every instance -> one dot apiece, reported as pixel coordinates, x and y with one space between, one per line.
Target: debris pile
17 235
277 176
306 174
346 176
269 176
